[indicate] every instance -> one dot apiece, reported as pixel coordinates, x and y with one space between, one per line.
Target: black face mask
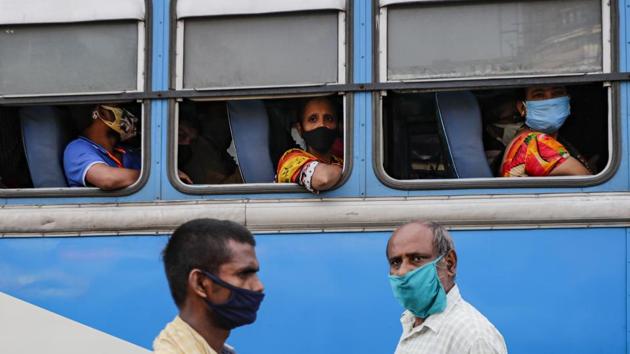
184 153
239 310
320 139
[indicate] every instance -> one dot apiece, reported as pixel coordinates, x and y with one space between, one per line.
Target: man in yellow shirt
211 267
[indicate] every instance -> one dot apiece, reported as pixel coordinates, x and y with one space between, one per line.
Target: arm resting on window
571 167
326 176
110 178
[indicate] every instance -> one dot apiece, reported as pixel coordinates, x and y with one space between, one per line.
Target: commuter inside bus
536 151
319 166
211 268
97 157
203 157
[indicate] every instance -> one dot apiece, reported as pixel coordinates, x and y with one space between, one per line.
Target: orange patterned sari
533 154
291 163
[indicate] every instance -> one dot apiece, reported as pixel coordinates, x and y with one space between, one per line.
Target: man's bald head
441 239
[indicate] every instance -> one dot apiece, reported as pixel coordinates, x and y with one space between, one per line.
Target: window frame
144 25
344 75
246 188
382 26
178 72
609 65
144 79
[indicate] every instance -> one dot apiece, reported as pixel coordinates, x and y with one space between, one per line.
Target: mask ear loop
524 111
95 114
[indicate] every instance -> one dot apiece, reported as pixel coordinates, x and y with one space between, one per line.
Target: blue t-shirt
83 153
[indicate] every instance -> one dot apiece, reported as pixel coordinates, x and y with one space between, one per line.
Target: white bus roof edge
18 12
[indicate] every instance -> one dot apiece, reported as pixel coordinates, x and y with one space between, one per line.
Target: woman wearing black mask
317 169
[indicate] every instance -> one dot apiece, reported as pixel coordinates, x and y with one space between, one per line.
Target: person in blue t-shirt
96 158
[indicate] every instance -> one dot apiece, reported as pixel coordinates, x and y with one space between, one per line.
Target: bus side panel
547 291
114 284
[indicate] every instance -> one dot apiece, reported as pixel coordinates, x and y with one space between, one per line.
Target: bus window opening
70 146
262 141
530 131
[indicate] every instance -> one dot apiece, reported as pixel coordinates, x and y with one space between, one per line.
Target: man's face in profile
240 271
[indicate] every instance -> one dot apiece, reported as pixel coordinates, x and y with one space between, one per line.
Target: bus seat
249 125
45 137
459 119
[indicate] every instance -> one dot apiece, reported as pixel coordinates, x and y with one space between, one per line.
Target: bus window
38 139
242 141
475 132
49 57
419 144
91 49
480 39
297 43
226 141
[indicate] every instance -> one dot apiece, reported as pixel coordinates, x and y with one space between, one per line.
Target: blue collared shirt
83 153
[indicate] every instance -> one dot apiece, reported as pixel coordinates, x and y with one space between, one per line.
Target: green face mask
420 290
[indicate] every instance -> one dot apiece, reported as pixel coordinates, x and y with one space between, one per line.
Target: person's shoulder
164 343
472 314
78 143
472 327
541 137
78 147
294 152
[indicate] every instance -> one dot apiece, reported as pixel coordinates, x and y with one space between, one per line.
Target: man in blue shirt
96 158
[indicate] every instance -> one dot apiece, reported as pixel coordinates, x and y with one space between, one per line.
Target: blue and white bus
544 258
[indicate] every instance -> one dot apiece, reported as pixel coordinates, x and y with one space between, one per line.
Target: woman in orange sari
317 168
535 151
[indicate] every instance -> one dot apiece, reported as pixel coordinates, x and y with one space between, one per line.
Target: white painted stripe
25 328
494 211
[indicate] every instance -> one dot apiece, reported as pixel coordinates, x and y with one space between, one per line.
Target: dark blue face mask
241 307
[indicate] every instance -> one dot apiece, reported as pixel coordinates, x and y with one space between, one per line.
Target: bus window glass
37 143
470 39
261 50
242 141
69 58
419 143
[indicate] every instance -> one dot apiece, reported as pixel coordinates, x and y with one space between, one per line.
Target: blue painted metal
362 73
113 284
547 291
627 308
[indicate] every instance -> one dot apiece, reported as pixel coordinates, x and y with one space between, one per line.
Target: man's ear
451 263
199 283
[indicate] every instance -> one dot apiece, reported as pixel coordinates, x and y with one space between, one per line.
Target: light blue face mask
420 290
547 116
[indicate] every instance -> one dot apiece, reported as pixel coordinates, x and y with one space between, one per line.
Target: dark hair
201 244
333 104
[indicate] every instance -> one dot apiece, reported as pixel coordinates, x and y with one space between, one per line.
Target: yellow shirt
179 338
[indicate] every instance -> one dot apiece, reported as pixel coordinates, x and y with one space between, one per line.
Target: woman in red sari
535 151
317 168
